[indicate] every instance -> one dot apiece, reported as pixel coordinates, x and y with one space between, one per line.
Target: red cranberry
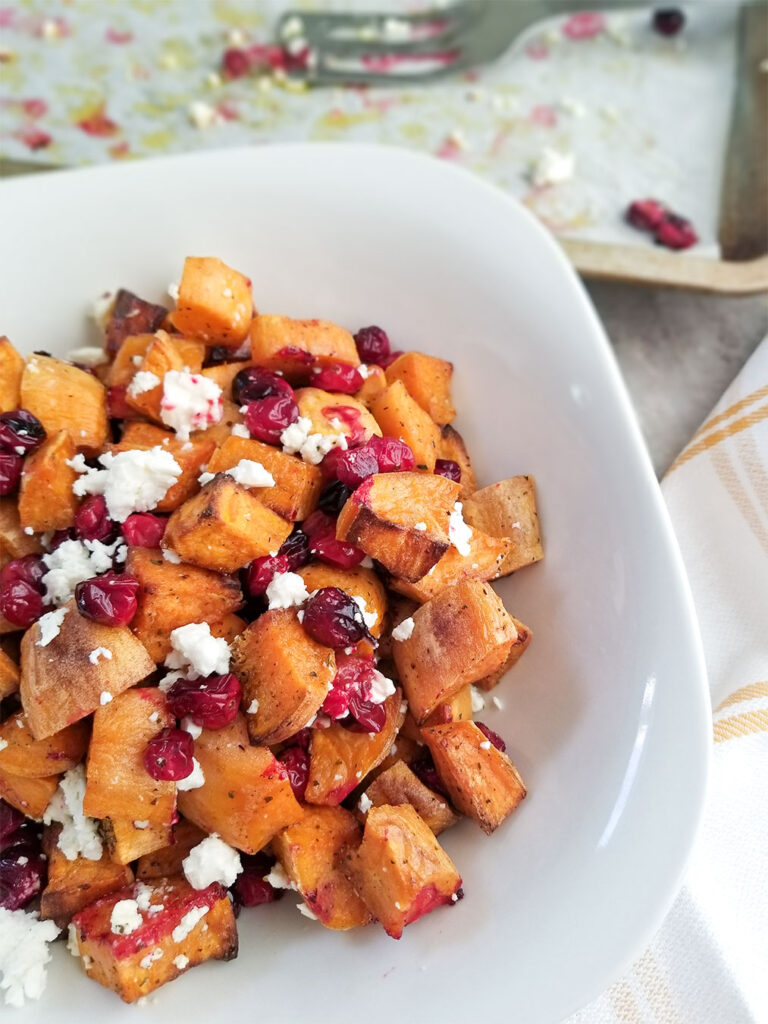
340 377
144 530
10 821
250 889
267 418
645 214
393 455
333 498
59 537
30 568
353 677
350 417
369 717
262 571
211 703
21 603
449 469
351 467
109 599
20 429
372 344
295 549
676 232
388 360
117 406
21 876
168 756
235 63
322 542
494 737
423 767
668 21
11 466
296 761
302 739
253 383
92 521
332 618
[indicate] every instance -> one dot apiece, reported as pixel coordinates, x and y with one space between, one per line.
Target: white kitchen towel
708 964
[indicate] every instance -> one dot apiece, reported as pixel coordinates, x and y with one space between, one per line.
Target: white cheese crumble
194 780
79 836
253 707
3 744
478 701
240 430
180 962
297 439
286 590
551 167
203 115
304 909
370 618
132 481
125 917
212 860
98 652
459 533
171 556
485 745
191 727
278 878
188 922
88 355
146 961
23 954
141 824
196 650
173 290
142 382
105 697
50 626
143 896
404 630
251 474
421 527
72 562
190 402
381 688
364 804
497 703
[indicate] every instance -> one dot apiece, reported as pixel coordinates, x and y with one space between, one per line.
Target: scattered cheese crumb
188 922
277 877
478 701
147 961
421 527
141 824
50 626
485 745
496 703
143 381
370 618
404 630
304 909
79 836
364 804
212 860
190 402
171 556
99 652
551 167
105 697
24 953
286 590
195 648
88 355
297 439
253 707
203 115
3 744
459 533
131 481
191 727
180 962
250 474
194 780
240 430
125 917
381 688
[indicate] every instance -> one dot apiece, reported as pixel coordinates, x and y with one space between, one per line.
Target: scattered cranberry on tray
669 229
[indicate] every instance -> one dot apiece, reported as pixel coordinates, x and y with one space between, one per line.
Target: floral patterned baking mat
631 113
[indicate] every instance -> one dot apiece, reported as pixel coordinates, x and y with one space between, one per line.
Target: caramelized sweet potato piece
340 759
427 380
224 373
401 520
173 595
131 315
285 671
30 796
193 926
214 303
373 385
9 676
401 416
297 484
224 527
400 870
398 785
230 627
46 501
457 709
310 852
336 414
452 447
294 346
190 455
14 543
481 780
168 859
164 353
481 563
247 797
460 636
23 755
508 509
356 582
64 397
73 884
11 369
59 683
516 651
128 839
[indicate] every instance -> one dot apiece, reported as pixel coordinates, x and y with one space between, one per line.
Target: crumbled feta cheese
125 917
28 530
364 804
105 697
3 744
171 556
404 630
485 745
240 430
381 688
286 590
497 703
173 290
459 533
370 618
421 527
143 381
195 648
79 836
50 625
101 309
253 707
478 701
367 562
154 717
312 447
141 824
212 860
23 954
205 478
250 474
143 896
188 922
551 167
72 943
190 402
71 563
131 481
194 780
180 962
137 360
277 877
454 897
203 115
363 370
146 961
88 355
304 909
191 727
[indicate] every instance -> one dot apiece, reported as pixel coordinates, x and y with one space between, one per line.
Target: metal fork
389 49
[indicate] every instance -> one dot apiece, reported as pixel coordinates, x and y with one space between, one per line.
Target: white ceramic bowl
606 715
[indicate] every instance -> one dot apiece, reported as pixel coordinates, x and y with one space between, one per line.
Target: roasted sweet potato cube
427 380
73 884
297 484
214 303
46 501
284 671
516 651
480 563
117 783
168 859
23 755
131 315
11 369
400 870
481 780
340 759
63 397
190 455
129 839
452 447
219 432
374 383
508 509
14 543
164 353
173 595
30 796
9 676
60 684
224 373
191 927
230 627
310 852
357 582
401 416
128 359
247 797
459 636
332 414
294 346
224 527
398 785
457 709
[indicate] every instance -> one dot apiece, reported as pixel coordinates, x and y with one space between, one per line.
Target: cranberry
168 756
388 360
351 467
253 383
21 876
109 599
262 571
332 618
21 603
645 214
449 469
372 344
334 497
235 63
10 821
11 466
676 232
302 739
211 703
296 761
349 416
92 521
30 568
393 455
144 530
668 21
322 542
295 549
267 418
353 677
340 377
117 406
20 429
494 737
59 537
250 889
369 717
423 767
